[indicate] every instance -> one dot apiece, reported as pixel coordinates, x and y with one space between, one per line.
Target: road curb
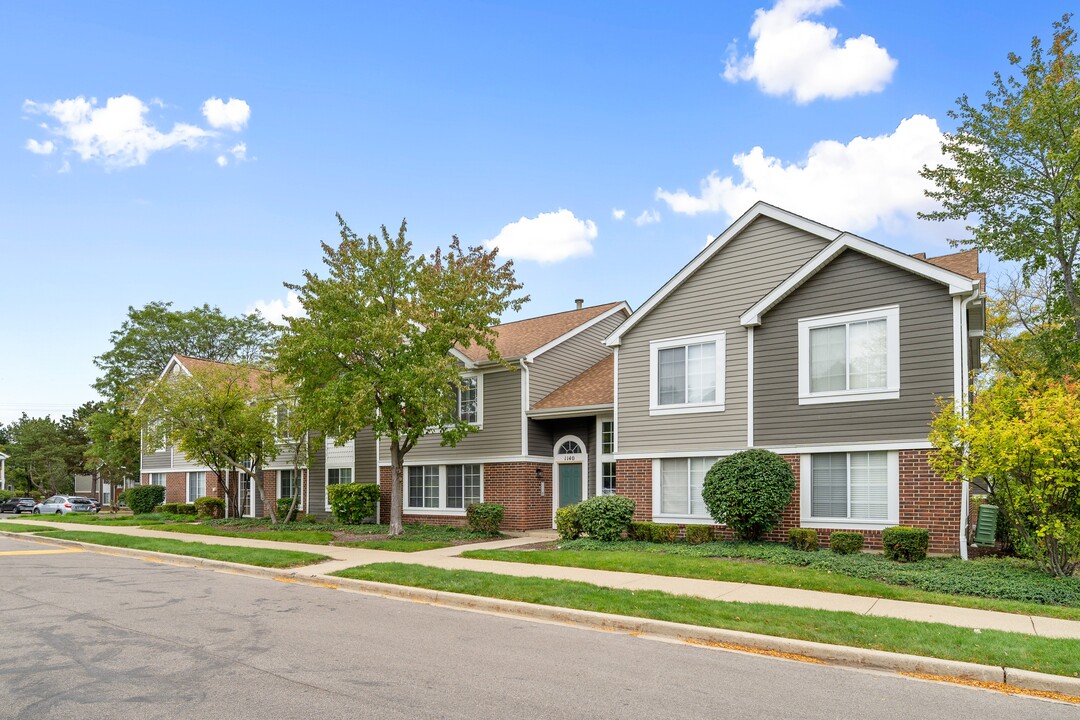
830 654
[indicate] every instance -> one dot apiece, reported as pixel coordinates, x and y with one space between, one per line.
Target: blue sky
197 152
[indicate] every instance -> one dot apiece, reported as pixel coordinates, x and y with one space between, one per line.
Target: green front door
569 483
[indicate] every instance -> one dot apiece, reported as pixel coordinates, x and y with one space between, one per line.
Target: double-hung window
443 488
607 457
850 489
468 396
687 374
338 476
282 419
288 483
196 485
157 479
848 357
677 484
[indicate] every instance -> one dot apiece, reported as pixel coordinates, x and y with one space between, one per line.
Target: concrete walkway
449 559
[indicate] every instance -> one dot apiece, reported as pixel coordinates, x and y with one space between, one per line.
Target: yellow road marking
42 552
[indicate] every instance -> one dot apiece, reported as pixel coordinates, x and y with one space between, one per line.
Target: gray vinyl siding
853 282
501 433
540 442
365 469
169 460
285 460
570 358
712 299
316 475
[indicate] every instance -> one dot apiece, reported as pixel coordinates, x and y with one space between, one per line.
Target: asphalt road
88 635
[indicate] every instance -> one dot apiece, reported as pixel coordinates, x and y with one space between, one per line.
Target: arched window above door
570 447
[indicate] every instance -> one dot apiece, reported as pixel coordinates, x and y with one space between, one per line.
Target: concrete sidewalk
449 559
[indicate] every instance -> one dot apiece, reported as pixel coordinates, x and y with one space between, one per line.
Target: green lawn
247 556
428 533
403 545
21 528
311 537
118 520
990 647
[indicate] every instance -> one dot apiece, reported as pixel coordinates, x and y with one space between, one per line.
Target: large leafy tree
113 450
1012 170
375 347
223 416
1023 435
40 456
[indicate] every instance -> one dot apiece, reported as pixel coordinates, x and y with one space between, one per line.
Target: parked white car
64 504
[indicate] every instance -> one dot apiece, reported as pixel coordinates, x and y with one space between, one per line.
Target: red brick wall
515 486
926 501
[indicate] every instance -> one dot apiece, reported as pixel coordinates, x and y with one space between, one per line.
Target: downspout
965 487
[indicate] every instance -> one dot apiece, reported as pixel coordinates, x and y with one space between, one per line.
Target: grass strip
20 527
261 557
117 520
989 647
407 546
310 537
760 573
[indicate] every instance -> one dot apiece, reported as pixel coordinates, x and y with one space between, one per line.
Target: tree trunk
397 489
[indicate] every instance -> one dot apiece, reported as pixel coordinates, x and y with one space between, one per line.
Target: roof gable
957 283
595 386
532 336
759 209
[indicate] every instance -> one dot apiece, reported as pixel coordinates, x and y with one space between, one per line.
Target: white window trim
655 346
479 377
442 509
677 518
891 315
187 485
601 456
326 481
805 493
298 479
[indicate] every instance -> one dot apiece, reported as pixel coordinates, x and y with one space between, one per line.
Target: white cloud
647 217
618 214
239 151
222 161
867 183
275 310
231 114
709 239
118 135
547 238
39 148
797 56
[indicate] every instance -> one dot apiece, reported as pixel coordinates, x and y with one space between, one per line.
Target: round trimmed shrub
210 507
698 534
606 517
352 503
846 543
905 544
568 522
143 499
803 539
748 491
485 517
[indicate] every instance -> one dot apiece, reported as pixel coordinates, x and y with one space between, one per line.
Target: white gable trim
621 307
759 209
469 364
957 284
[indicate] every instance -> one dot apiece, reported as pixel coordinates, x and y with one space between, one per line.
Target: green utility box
986 525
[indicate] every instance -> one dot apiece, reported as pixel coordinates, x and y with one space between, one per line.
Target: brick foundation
926 501
515 486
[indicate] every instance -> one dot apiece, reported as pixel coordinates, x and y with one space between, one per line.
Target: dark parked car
18 505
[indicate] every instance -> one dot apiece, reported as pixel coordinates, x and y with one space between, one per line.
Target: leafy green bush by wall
210 507
353 503
905 544
186 509
606 517
699 534
485 517
748 491
663 533
283 506
568 522
846 543
640 531
169 508
804 539
142 499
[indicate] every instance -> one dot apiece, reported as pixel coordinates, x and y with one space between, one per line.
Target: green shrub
283 506
353 503
641 531
699 534
485 517
186 509
905 544
748 491
663 533
210 507
309 519
7 495
568 522
143 499
804 539
606 517
168 508
846 543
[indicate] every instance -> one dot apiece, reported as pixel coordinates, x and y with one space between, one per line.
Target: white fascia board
759 209
571 411
471 365
957 284
621 307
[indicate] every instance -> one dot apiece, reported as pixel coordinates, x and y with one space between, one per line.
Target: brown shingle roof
965 262
256 377
521 337
595 386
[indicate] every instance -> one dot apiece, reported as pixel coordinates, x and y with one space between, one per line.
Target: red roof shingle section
595 386
965 262
521 337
